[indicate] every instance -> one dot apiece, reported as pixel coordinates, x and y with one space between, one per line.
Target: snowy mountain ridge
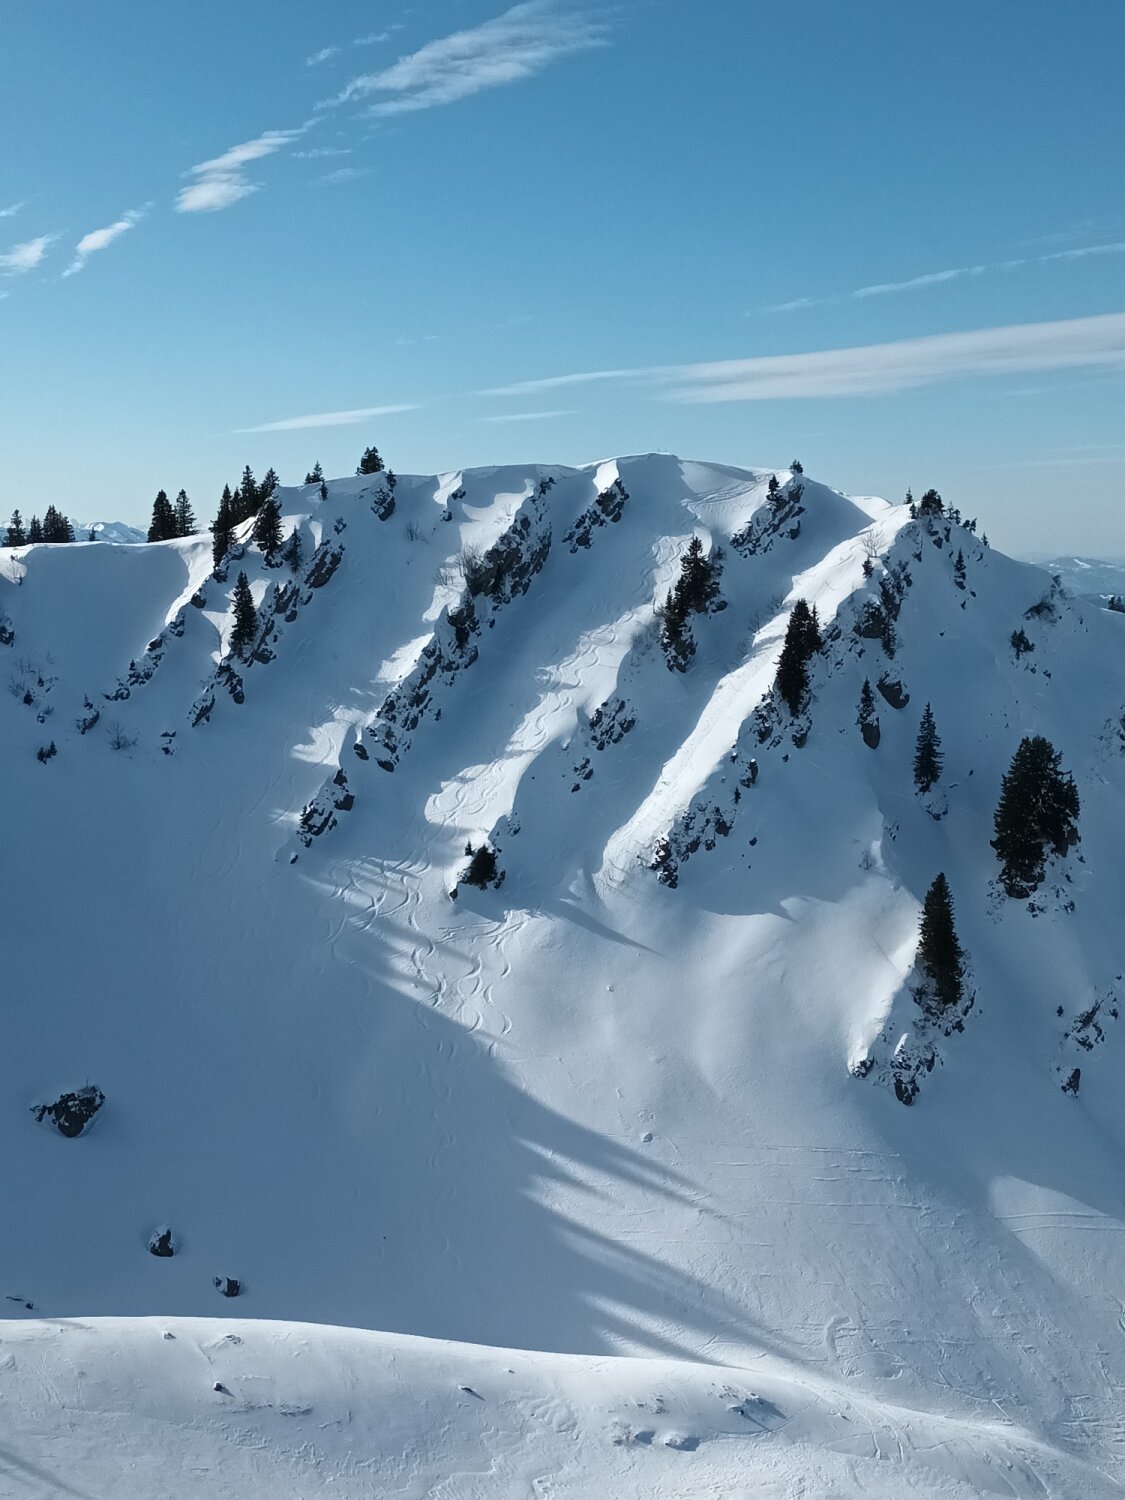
643 1094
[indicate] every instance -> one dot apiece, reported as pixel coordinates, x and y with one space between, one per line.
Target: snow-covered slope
637 1100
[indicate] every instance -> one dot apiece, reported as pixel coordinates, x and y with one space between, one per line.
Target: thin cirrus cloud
101 239
221 182
327 419
322 56
527 416
875 369
25 257
953 273
515 45
11 211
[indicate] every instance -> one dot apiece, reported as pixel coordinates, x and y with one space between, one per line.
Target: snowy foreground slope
604 1109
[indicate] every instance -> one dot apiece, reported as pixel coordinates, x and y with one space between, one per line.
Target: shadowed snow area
589 1112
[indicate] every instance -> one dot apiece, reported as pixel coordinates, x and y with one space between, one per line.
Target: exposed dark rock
229 1286
71 1113
161 1243
1073 1081
893 691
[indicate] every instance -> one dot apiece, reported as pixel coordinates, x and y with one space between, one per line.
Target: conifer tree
267 528
940 955
163 524
268 485
185 516
324 489
56 526
293 552
1038 810
245 626
868 718
34 530
802 641
370 463
315 474
247 496
797 467
222 527
694 592
930 504
17 536
959 569
928 759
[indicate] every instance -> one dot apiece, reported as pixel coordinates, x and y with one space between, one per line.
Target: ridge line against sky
395 220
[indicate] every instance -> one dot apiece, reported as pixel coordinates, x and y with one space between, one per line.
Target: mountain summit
515 942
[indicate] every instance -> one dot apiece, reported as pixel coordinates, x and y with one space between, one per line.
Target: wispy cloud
322 56
953 273
527 416
11 211
513 46
875 369
931 278
317 152
101 239
328 419
376 36
223 181
1117 247
23 258
344 174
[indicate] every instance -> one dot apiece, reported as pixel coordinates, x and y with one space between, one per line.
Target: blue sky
227 230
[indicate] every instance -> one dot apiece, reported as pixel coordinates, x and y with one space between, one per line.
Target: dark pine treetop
940 956
370 463
221 528
928 759
1038 810
868 718
163 524
315 474
16 533
35 530
245 626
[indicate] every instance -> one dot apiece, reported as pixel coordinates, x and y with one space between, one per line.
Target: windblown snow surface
596 1183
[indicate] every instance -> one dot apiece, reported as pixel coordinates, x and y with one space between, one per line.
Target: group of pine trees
802 642
696 591
248 499
171 518
54 527
1037 814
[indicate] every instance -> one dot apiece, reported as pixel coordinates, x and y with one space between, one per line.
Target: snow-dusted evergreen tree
959 569
16 535
292 553
928 759
185 516
1038 811
868 718
315 474
370 463
940 955
267 528
163 523
802 642
245 626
